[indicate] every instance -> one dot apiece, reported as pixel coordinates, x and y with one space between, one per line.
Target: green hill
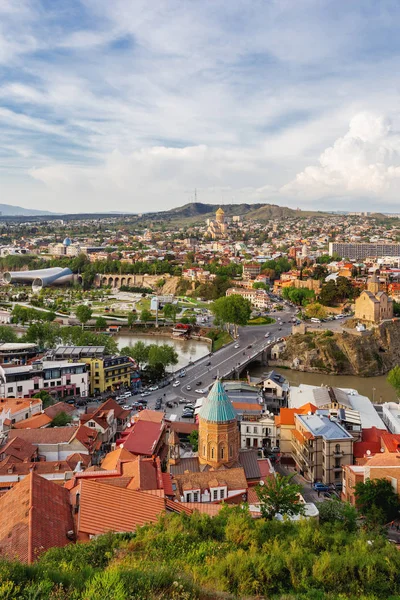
197 211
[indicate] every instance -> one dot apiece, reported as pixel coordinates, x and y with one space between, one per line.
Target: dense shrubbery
187 558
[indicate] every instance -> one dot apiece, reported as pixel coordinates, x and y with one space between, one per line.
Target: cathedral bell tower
218 430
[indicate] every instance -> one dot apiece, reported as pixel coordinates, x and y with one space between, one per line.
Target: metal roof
217 408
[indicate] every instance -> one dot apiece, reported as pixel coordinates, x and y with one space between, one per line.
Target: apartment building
321 447
258 432
110 373
257 298
356 251
55 377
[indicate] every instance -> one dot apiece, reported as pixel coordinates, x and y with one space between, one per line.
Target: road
202 375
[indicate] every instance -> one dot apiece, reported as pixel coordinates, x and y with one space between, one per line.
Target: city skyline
128 107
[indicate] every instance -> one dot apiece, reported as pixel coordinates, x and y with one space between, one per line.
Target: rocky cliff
373 353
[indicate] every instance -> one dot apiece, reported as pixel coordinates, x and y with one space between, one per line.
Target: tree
320 272
334 511
7 334
45 335
61 420
170 311
84 314
132 318
45 397
139 351
396 308
278 495
315 310
259 285
145 315
377 501
194 439
160 357
101 323
394 379
234 310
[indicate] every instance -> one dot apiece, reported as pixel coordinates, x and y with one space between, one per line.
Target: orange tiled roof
35 422
19 448
245 406
16 404
106 508
113 459
35 515
154 416
207 508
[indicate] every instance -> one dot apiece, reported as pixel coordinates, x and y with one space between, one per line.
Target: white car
200 391
153 388
145 394
127 407
176 383
236 346
267 334
188 387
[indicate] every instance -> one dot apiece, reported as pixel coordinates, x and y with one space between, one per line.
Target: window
222 452
212 452
35 386
52 384
215 494
92 424
204 450
26 415
222 494
255 429
45 384
10 389
337 448
195 496
188 497
58 382
247 429
230 451
19 388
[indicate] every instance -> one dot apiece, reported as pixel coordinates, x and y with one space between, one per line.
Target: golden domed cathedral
217 228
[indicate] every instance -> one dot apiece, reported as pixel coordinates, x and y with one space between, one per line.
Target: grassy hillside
230 556
199 212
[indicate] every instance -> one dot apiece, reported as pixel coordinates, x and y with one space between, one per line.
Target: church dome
217 408
67 241
220 211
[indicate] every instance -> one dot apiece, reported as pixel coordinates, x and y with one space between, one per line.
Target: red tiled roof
144 438
59 407
265 467
19 448
104 508
35 515
391 442
54 435
154 416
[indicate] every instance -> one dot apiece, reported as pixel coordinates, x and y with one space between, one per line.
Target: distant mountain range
7 210
196 211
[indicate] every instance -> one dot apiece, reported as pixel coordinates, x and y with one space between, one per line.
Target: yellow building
372 304
110 373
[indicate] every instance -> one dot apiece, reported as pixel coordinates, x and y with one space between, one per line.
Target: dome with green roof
217 408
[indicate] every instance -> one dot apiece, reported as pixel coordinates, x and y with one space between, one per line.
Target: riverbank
377 389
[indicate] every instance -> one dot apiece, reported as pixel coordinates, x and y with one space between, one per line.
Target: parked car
187 415
176 383
250 346
182 400
158 404
169 404
201 391
321 487
188 387
236 346
145 394
198 383
182 373
189 406
127 407
208 363
153 388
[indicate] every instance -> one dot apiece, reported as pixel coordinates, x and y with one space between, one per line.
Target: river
187 349
376 389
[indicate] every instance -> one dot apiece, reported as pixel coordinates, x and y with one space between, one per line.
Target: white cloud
365 161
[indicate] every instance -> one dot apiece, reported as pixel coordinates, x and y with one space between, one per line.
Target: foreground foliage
188 558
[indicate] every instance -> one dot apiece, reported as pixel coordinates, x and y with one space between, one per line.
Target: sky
132 105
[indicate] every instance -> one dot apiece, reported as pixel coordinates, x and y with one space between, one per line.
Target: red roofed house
146 438
34 516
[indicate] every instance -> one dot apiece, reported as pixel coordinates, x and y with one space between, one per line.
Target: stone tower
220 216
373 283
218 430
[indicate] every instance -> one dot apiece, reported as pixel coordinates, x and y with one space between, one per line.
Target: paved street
222 362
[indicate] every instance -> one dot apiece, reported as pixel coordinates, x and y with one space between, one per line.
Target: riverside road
223 361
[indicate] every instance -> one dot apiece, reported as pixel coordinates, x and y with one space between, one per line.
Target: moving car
176 383
169 404
208 363
236 346
188 387
250 346
267 334
198 383
157 405
182 373
201 391
127 407
153 388
145 394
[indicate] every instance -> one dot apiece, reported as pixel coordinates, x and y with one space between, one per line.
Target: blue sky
131 105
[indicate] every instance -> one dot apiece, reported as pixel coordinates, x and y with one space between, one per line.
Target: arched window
204 450
337 448
231 450
222 453
212 452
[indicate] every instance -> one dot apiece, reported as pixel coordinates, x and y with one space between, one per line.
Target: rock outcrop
372 353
